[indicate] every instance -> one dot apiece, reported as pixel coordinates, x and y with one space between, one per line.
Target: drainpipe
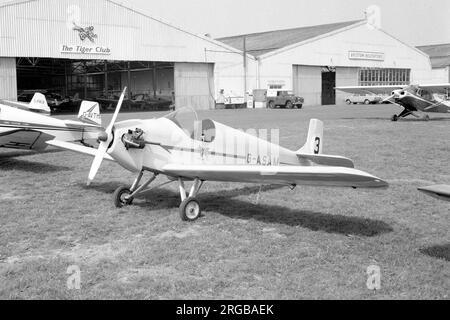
258 79
245 68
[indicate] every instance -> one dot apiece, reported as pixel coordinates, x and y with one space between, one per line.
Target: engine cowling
127 148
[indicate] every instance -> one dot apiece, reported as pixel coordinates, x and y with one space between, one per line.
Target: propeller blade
388 99
116 113
101 151
105 139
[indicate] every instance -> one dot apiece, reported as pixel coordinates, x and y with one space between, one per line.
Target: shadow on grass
439 251
223 203
400 120
10 164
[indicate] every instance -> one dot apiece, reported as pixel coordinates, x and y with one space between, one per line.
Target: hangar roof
258 44
439 54
99 30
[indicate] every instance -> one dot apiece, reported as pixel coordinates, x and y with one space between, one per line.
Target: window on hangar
381 77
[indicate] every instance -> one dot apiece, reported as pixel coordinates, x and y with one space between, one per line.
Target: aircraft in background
416 100
29 125
182 148
37 104
441 192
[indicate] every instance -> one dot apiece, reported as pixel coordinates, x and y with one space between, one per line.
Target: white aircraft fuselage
22 129
163 142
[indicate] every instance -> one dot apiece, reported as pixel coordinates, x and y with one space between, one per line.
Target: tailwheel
122 197
394 118
190 209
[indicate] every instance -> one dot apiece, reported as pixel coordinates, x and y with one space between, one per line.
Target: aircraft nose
396 94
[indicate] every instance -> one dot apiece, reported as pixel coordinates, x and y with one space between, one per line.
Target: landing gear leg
124 196
401 115
190 209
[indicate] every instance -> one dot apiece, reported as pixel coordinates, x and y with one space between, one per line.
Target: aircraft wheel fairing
122 197
190 210
394 118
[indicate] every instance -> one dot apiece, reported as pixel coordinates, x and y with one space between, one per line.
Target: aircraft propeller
105 139
388 99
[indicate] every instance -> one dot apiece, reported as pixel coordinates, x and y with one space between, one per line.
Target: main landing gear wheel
394 118
122 197
190 209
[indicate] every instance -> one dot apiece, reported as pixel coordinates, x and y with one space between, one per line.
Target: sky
416 22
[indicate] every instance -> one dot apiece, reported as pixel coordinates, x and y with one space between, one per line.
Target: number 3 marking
317 146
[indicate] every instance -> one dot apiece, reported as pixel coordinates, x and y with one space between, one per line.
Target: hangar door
194 85
328 85
345 76
8 79
307 83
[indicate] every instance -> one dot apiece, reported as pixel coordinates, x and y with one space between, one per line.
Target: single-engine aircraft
184 149
416 100
441 192
29 125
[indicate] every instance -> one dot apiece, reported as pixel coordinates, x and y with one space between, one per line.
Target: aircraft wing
437 88
24 139
282 175
441 192
77 148
384 90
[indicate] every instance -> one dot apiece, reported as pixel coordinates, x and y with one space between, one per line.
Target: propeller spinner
105 139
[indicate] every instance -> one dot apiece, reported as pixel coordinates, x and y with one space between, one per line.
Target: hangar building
96 47
440 61
311 61
93 48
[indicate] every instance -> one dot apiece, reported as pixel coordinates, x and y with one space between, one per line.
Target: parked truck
285 99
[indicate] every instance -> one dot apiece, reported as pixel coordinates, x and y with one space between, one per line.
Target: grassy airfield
309 243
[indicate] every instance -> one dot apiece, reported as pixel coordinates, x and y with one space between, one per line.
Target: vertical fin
39 103
90 113
314 141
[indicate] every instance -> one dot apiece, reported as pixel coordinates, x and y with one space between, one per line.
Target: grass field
310 243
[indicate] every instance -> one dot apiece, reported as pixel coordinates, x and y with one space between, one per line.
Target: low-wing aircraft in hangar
415 100
29 126
184 149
